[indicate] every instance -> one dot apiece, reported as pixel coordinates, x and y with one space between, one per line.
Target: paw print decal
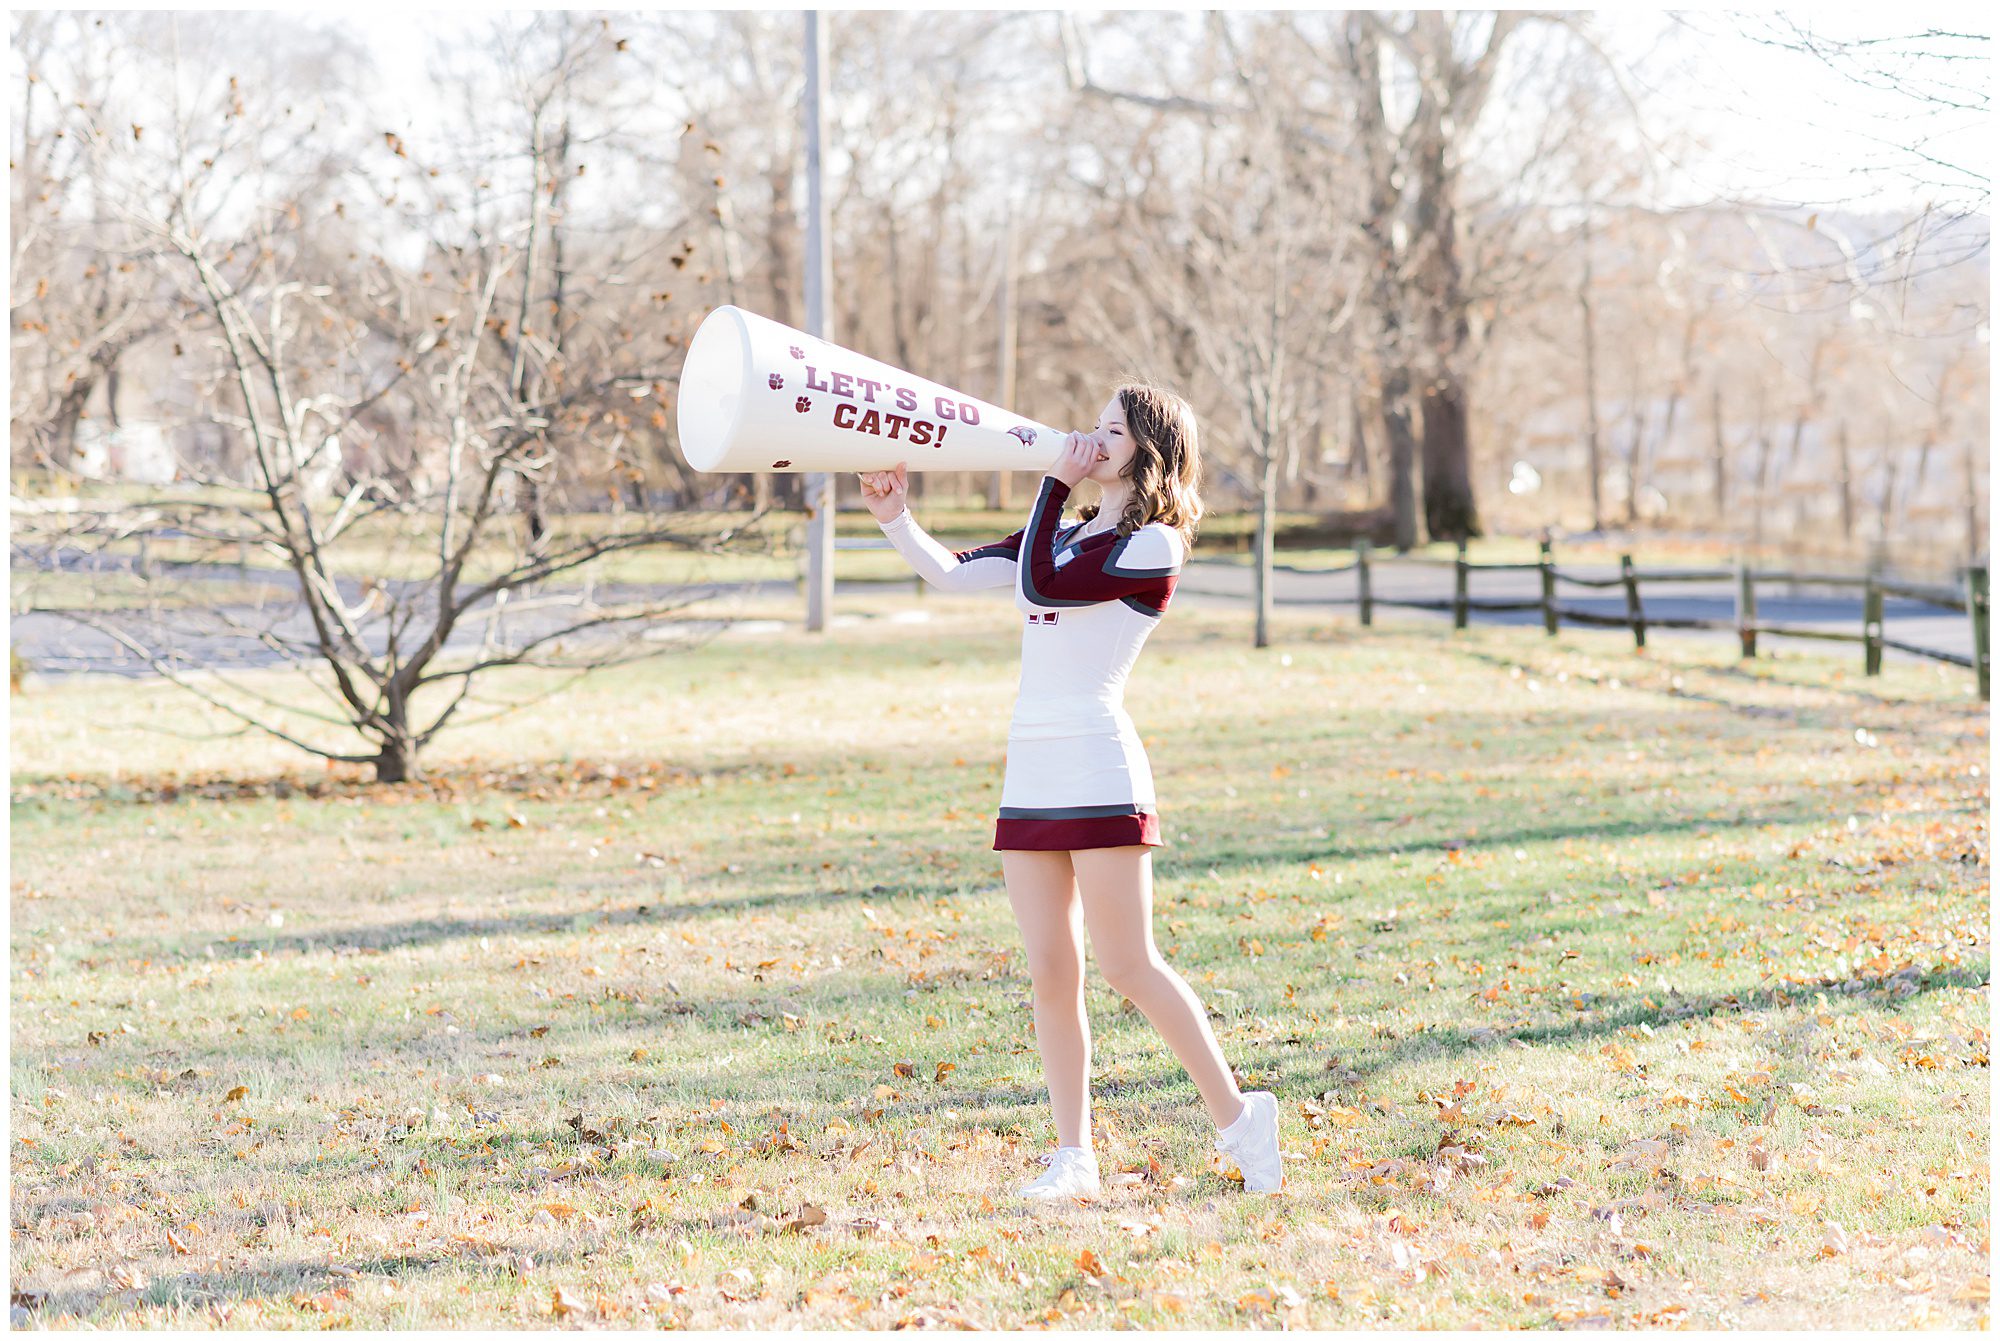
798 353
802 404
777 382
780 465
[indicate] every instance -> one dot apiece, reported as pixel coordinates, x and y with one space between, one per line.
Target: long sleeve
1141 567
991 565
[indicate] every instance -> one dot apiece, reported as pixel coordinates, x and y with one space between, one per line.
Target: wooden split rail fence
1970 599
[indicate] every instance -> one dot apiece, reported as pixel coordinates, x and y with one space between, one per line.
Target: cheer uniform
1077 776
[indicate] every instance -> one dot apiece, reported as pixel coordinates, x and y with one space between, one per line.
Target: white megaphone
756 395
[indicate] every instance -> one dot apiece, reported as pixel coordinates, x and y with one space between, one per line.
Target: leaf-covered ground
1596 988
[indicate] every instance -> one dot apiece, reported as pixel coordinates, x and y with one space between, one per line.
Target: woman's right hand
886 491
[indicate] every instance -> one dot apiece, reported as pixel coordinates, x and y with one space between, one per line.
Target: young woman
1077 818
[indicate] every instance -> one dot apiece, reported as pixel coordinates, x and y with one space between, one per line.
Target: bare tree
1935 71
307 339
81 294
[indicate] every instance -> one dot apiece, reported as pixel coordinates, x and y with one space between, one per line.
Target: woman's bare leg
1042 888
1116 886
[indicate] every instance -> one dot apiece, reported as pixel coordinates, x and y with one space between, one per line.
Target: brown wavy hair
1165 469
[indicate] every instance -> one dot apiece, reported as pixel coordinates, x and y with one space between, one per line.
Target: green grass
1593 986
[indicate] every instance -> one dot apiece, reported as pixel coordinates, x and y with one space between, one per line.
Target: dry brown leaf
563 1302
807 1217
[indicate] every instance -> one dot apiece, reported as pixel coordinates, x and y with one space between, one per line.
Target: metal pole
819 322
997 491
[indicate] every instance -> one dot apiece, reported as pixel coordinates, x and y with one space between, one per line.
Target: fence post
1635 614
1871 624
1976 578
145 559
1746 606
1362 588
1548 589
1458 603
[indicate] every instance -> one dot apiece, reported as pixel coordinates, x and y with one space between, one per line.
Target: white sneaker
1072 1173
1254 1143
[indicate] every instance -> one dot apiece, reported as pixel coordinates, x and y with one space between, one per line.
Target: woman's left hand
1080 455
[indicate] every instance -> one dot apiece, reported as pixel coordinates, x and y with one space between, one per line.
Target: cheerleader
1078 818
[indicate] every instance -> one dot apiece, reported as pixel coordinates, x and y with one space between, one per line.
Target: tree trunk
1267 526
1975 534
1402 456
1385 266
62 429
997 486
1450 512
397 761
1763 475
1846 485
1721 454
1358 450
1592 443
1888 508
1634 465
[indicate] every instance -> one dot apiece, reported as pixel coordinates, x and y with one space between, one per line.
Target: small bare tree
390 412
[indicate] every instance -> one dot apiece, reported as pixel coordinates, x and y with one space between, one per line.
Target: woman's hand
886 491
1080 455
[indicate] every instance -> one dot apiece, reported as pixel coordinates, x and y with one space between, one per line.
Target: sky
1781 126
1787 126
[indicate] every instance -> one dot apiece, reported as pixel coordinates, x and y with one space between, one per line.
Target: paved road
59 646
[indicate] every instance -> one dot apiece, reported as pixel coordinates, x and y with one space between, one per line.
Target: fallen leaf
807 1217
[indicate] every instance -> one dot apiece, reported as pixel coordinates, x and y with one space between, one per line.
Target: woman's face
1115 444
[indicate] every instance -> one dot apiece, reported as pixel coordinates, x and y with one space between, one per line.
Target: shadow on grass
447 784
1849 690
275 1283
1621 1013
1739 675
1227 858
438 930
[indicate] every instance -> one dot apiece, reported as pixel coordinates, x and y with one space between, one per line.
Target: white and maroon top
1077 776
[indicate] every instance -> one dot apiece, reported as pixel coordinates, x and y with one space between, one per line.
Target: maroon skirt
1073 832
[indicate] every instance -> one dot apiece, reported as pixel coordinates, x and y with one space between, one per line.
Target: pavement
243 636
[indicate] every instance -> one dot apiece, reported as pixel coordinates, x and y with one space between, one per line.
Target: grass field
1596 989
